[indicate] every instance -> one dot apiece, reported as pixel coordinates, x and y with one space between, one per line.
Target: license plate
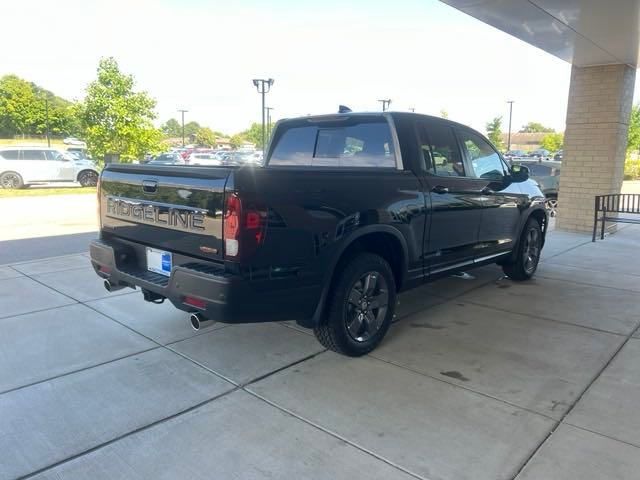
159 261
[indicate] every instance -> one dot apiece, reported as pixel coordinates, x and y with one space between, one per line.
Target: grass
44 191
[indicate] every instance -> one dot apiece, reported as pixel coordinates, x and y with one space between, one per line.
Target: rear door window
440 150
33 155
358 144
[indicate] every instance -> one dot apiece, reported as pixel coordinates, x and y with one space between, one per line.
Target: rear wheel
88 178
361 307
528 254
551 204
11 180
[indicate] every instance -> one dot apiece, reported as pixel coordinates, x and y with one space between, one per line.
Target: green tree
171 128
535 127
117 119
236 140
444 113
24 110
552 141
494 132
190 129
17 102
253 134
633 139
205 136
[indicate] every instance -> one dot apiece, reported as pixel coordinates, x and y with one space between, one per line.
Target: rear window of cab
366 143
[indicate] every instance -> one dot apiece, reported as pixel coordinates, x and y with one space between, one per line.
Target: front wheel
88 178
527 254
361 307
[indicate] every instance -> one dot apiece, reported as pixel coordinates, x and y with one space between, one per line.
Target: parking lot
480 378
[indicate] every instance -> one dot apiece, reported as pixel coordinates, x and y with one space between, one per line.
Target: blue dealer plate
159 261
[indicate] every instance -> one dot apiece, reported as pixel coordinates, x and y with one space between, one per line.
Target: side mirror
519 173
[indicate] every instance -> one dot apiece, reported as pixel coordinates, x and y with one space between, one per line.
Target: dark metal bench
609 206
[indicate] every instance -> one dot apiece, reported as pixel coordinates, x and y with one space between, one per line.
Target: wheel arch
383 240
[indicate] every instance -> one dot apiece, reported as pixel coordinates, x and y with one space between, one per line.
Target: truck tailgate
174 208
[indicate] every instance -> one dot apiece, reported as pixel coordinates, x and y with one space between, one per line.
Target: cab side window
440 150
483 159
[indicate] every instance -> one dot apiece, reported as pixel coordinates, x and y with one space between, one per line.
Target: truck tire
527 254
360 307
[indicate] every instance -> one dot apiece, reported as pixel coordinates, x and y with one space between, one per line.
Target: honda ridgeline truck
347 211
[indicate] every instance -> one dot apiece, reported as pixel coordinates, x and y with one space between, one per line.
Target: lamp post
182 112
46 119
263 86
510 102
269 121
385 104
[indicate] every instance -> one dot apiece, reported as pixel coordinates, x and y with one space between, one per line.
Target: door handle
487 191
440 189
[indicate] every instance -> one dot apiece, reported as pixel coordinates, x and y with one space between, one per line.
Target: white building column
595 141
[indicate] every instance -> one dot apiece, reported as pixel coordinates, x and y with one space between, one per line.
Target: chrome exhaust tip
112 287
199 321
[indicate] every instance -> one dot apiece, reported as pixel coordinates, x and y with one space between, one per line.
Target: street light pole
510 102
263 87
46 116
183 112
269 121
385 104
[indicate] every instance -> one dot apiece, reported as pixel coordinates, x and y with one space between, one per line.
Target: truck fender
319 311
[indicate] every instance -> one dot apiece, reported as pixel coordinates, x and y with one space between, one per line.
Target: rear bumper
228 298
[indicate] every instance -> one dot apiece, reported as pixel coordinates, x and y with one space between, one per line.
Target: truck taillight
243 229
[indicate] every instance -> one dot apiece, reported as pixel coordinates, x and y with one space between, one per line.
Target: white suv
21 166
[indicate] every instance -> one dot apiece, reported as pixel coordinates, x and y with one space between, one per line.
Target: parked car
80 153
348 210
514 154
558 156
209 159
540 153
168 159
23 166
74 141
547 175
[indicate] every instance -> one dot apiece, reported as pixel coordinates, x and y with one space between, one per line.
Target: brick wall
595 140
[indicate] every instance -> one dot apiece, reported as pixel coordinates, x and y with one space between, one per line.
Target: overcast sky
202 54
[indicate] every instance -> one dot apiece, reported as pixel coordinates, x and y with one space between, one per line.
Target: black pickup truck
347 211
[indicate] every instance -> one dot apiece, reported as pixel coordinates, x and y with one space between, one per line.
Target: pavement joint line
75 302
548 319
586 242
577 400
542 275
71 269
600 434
336 435
464 387
125 435
38 260
79 370
88 302
592 269
235 388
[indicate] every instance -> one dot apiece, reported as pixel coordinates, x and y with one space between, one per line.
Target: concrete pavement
479 378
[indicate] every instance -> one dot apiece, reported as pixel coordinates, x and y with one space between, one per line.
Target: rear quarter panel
314 213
